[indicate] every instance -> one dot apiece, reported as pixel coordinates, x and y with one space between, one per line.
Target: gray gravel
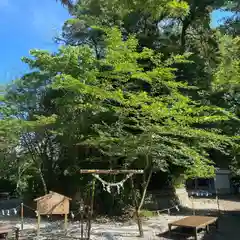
153 227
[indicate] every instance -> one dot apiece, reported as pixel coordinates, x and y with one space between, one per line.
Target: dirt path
154 228
229 229
227 204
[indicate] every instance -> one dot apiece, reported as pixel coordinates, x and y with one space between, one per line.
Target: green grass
147 213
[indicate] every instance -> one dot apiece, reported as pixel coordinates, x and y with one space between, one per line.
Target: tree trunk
43 181
139 222
139 206
33 150
179 190
145 190
185 25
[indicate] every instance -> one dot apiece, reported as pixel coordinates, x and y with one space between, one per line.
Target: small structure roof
49 195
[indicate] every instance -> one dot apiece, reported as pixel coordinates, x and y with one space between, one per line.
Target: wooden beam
108 171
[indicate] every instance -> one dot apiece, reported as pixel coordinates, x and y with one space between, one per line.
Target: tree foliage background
136 84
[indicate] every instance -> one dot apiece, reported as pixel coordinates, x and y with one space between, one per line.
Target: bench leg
216 224
196 234
5 236
17 234
207 228
170 229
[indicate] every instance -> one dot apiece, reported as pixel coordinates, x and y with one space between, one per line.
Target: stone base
164 199
182 197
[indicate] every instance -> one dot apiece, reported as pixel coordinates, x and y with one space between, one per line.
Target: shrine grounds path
155 228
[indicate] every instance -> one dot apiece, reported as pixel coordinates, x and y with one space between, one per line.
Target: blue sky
217 17
27 24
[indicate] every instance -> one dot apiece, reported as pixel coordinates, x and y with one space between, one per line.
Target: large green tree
125 111
225 87
166 26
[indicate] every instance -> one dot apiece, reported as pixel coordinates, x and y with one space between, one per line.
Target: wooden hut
53 203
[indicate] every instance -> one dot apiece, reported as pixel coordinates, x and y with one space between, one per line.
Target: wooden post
22 216
82 208
65 222
91 208
38 223
218 205
193 209
217 199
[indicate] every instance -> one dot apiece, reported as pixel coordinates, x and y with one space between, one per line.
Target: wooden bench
5 230
192 224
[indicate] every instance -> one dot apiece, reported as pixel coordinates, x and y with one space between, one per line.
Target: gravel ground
154 228
105 231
